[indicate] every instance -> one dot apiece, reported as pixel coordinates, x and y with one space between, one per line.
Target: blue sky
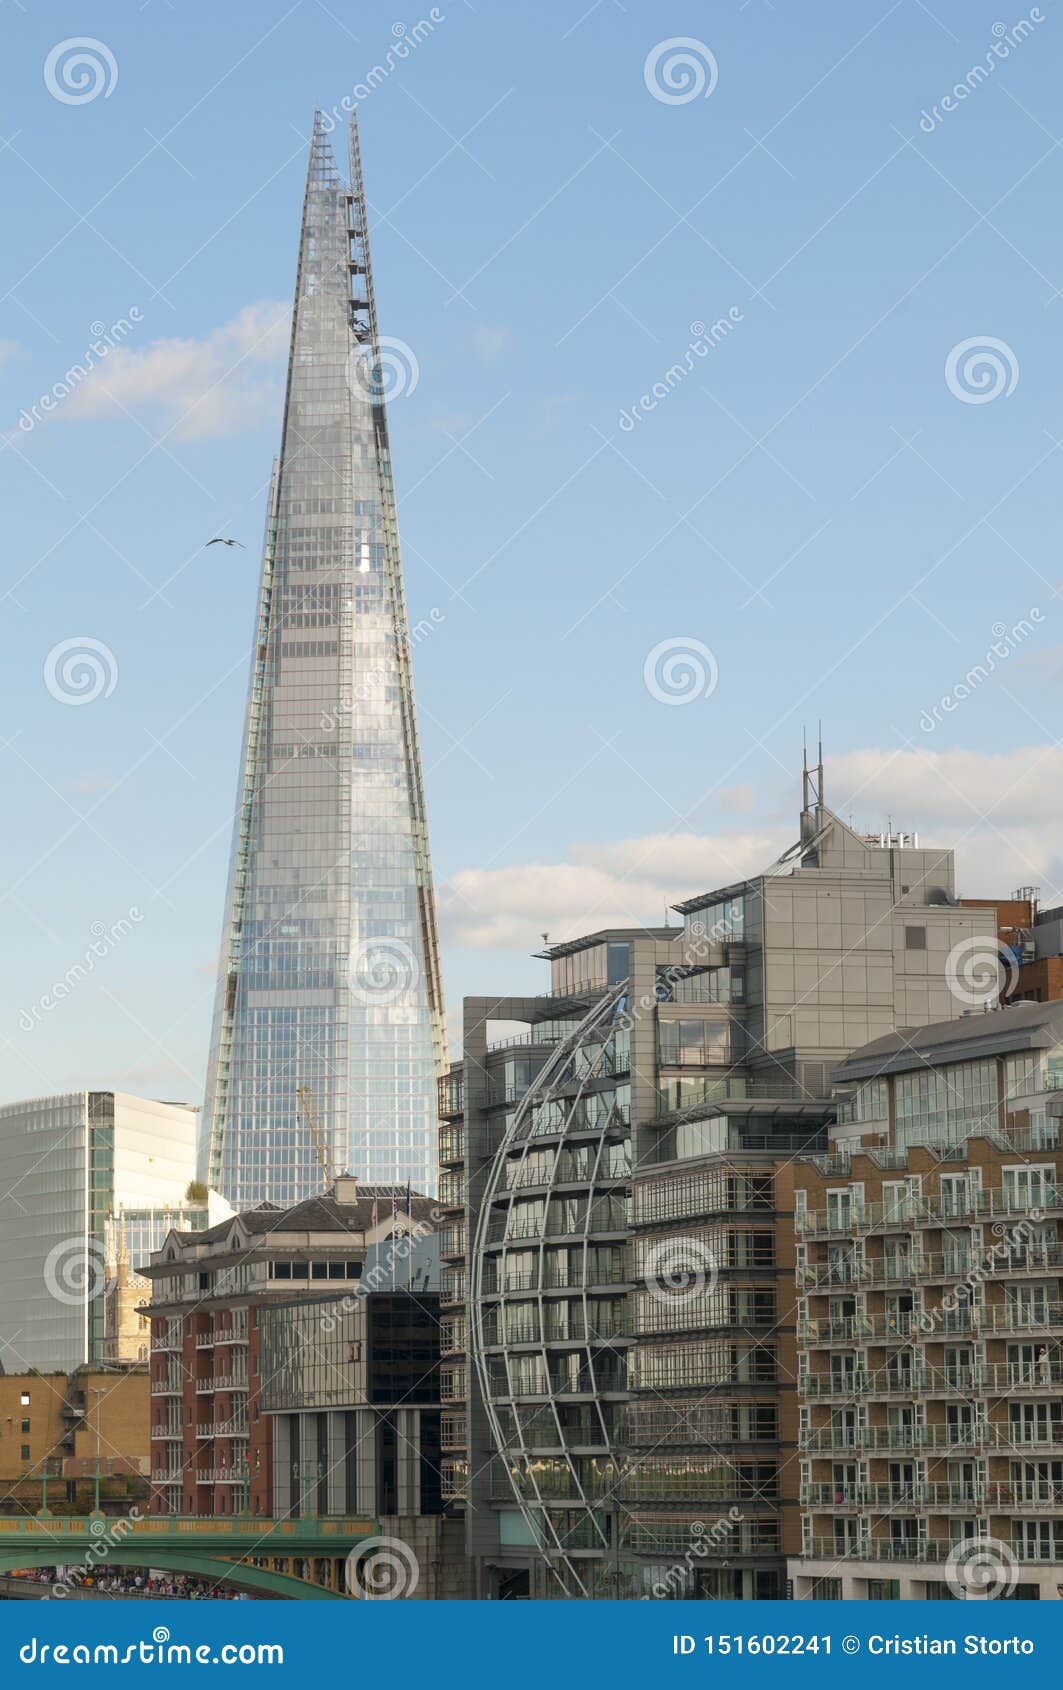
817 500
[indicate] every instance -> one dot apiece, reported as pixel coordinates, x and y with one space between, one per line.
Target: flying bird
220 541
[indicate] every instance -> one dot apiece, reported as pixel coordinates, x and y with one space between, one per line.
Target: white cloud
9 350
923 786
198 388
624 884
999 811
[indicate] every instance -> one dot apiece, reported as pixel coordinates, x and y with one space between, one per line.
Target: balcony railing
1000 1378
451 1144
979 1497
1039 1318
925 1211
1003 1435
878 1549
667 1537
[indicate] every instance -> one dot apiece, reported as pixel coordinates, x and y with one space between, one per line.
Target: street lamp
307 1472
96 1391
245 1471
47 1472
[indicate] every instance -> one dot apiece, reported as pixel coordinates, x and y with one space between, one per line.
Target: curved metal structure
548 1294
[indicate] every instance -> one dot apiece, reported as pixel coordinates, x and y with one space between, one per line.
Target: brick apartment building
930 1283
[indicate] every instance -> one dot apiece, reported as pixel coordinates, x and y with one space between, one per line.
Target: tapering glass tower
328 1027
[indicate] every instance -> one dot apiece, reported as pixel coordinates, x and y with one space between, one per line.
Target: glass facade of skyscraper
329 1006
69 1167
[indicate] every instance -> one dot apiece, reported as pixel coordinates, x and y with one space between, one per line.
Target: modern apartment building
69 1166
619 1360
329 980
930 1274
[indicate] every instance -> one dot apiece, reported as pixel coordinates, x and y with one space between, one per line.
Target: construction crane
317 1136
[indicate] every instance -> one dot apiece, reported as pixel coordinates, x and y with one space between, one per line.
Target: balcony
978 1435
1000 1379
926 1211
856 1329
878 1549
1038 1554
453 1337
452 1189
454 1480
930 1496
680 1537
453 1431
829 1276
1037 1318
453 1384
828 1439
452 1144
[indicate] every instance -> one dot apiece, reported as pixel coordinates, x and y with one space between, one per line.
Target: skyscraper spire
329 973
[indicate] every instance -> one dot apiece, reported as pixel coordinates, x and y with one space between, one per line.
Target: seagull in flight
221 541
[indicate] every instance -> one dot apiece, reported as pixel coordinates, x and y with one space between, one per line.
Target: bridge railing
236 1527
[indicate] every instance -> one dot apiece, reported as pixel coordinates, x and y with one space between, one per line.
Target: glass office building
329 982
69 1165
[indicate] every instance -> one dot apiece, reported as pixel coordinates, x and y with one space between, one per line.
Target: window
25 1399
618 963
25 1425
915 938
871 1101
25 1452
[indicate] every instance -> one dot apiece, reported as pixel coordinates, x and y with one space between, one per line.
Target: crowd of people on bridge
187 1587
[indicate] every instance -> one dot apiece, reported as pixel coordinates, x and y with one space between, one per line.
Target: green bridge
300 1558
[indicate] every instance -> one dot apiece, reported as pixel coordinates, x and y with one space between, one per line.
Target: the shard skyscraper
328 1026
